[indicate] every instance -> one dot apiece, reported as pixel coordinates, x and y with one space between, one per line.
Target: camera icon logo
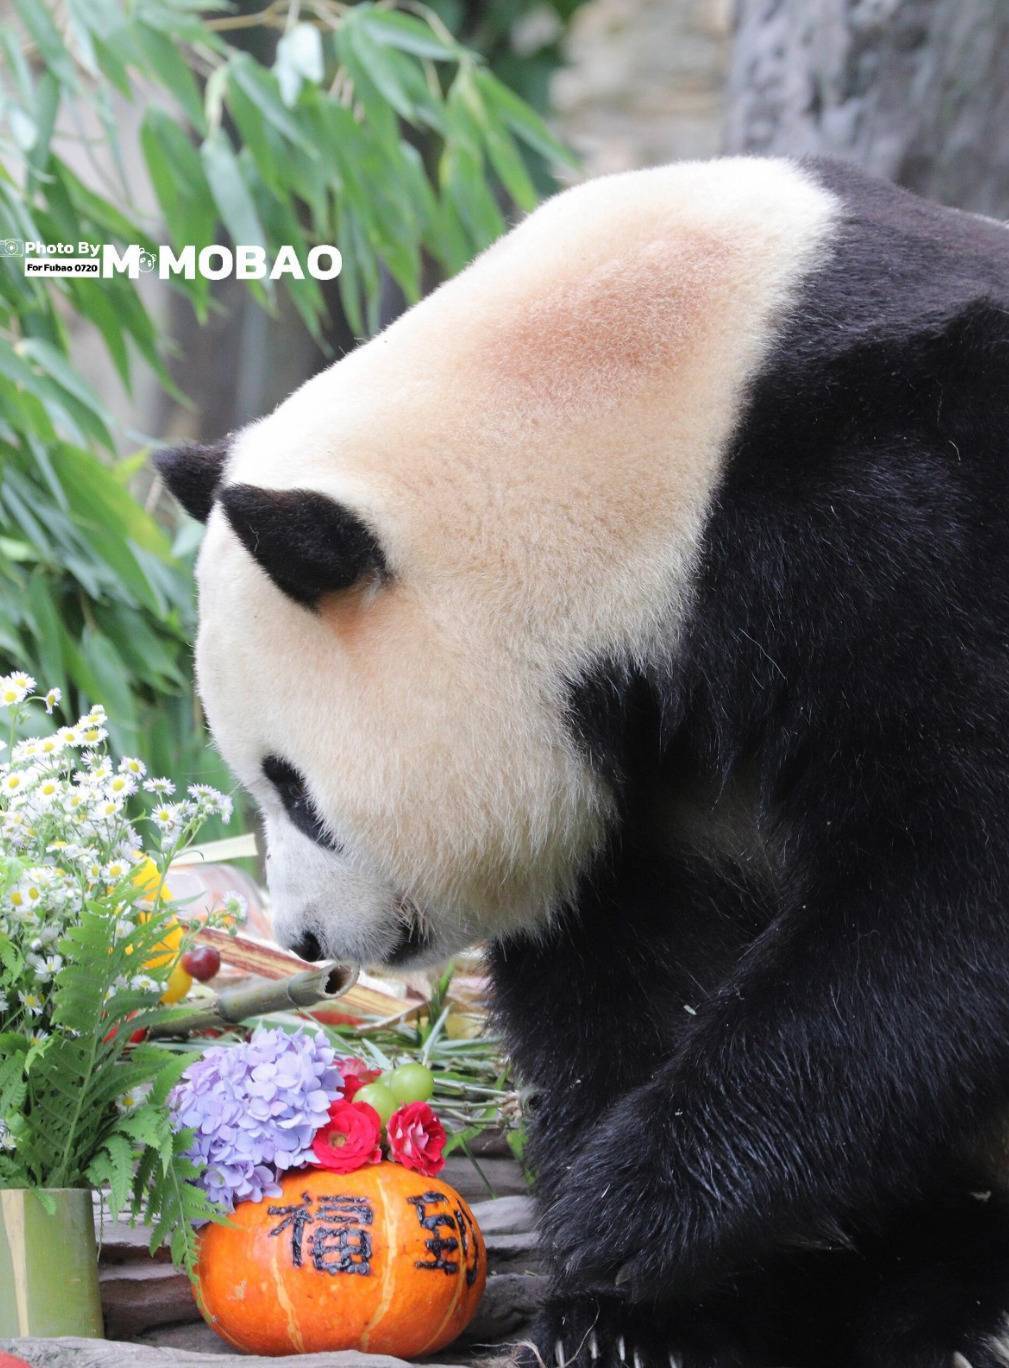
147 261
11 247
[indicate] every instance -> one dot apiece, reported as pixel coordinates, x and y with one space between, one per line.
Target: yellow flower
148 879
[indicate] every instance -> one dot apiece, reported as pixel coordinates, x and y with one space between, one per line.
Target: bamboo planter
48 1264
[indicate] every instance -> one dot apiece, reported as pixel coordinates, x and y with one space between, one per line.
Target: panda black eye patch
291 790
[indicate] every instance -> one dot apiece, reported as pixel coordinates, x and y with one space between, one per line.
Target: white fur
536 445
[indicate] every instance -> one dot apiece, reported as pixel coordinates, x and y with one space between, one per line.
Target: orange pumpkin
382 1260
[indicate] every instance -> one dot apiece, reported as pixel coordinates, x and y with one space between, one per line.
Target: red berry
202 963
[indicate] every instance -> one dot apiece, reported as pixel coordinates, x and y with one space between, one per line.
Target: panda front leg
590 1010
861 1040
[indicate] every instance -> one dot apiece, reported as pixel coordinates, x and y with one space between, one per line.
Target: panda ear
308 544
193 472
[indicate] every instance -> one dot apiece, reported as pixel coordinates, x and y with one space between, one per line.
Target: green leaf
461 175
44 621
371 64
94 489
403 31
57 364
113 1168
44 33
230 192
96 307
169 67
260 86
523 121
509 166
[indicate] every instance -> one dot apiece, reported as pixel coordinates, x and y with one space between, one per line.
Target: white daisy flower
107 809
211 801
53 697
31 1002
136 1097
121 785
163 787
70 736
129 764
46 792
115 870
166 817
235 906
14 689
93 736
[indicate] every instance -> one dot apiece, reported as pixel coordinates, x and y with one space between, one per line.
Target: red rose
355 1074
416 1139
349 1139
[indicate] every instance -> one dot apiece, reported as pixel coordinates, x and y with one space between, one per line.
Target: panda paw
591 1332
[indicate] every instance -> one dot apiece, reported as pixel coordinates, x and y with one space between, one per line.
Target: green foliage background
372 126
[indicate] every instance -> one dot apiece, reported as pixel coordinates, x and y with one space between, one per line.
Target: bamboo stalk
309 988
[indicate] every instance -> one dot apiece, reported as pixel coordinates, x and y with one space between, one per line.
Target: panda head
410 562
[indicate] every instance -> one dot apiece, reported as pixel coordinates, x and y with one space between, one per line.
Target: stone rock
509 1303
88 1353
142 1294
121 1243
505 1215
496 1177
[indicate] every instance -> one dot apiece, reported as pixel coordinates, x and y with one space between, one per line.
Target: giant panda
638 604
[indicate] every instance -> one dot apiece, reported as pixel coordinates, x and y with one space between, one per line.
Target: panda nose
307 947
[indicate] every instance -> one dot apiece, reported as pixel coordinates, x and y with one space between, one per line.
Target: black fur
770 1036
308 544
193 472
293 793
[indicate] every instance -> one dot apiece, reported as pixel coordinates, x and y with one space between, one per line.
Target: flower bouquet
90 953
283 1101
202 1147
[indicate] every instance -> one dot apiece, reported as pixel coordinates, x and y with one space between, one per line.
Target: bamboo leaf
166 62
523 121
230 192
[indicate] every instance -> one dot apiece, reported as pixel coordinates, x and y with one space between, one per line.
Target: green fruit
380 1097
411 1083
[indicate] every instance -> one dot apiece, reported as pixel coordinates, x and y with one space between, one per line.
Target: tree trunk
915 90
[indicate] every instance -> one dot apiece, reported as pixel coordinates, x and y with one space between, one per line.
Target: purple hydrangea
254 1109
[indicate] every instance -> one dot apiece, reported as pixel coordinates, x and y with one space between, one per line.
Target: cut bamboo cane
48 1264
312 987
